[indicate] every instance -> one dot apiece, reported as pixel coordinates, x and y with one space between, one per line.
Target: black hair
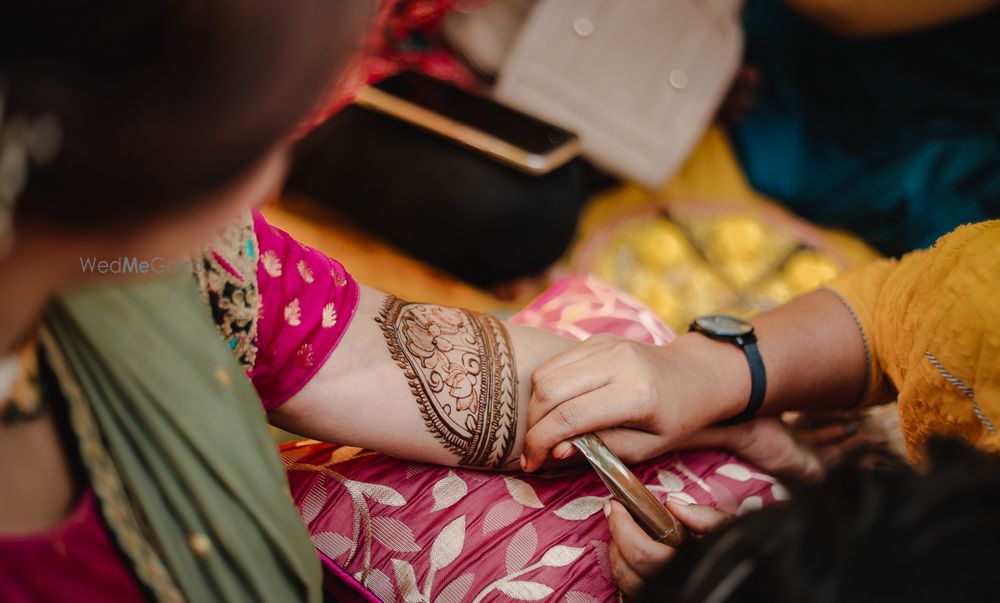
887 534
161 100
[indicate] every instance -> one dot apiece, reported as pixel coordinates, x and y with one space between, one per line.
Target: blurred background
731 155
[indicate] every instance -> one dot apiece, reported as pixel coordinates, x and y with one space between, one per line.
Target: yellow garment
932 325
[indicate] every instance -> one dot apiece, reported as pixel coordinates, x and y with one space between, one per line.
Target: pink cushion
580 306
393 530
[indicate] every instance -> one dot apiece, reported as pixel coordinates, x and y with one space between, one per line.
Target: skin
645 400
361 397
635 557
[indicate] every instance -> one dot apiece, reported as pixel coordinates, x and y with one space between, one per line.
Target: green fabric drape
188 439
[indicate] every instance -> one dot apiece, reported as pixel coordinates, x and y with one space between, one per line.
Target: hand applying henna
644 400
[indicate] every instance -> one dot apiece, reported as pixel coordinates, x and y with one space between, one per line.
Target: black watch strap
758 383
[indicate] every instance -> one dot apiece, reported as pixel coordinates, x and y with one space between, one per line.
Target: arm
647 399
344 363
823 351
425 382
868 18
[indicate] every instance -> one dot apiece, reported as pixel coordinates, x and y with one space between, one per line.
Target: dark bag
465 213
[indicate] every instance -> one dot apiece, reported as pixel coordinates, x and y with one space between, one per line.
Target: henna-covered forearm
424 382
461 372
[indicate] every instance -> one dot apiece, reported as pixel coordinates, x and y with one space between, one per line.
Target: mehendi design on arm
460 367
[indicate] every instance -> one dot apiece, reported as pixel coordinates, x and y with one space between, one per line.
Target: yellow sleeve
861 291
930 322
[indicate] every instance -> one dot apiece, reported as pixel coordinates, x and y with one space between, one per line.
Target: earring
21 140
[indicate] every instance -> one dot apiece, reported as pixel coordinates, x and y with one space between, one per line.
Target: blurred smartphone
473 120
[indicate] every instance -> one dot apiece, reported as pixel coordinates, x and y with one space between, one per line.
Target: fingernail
564 451
677 501
607 509
524 464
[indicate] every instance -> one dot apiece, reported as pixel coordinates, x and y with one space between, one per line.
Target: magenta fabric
405 531
307 302
74 560
580 306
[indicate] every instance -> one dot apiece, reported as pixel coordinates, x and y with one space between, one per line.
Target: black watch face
723 326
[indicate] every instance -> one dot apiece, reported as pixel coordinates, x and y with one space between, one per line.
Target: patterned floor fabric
412 532
399 531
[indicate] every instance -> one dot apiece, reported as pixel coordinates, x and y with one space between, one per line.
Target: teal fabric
896 139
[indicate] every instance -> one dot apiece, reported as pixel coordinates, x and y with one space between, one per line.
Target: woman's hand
766 443
642 399
635 557
833 435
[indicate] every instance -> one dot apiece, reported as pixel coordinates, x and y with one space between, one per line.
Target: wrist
716 375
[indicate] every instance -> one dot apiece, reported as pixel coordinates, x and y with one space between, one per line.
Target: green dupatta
176 445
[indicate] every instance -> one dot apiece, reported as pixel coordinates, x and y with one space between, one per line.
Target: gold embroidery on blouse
227 277
107 484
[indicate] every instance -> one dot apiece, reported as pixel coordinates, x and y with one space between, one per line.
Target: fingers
827 434
629 582
634 555
631 445
699 519
593 411
550 388
590 346
628 444
765 443
770 446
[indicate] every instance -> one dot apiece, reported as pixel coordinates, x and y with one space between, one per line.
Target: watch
739 333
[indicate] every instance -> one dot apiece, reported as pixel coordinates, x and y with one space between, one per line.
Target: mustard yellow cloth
932 325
